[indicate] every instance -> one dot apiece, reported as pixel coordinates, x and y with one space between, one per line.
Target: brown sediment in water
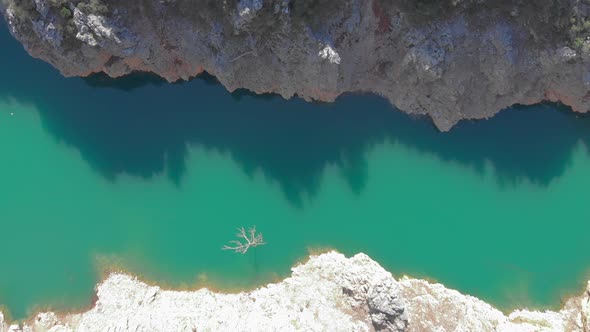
105 266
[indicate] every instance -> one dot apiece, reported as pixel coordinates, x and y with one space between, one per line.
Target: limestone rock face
465 60
328 293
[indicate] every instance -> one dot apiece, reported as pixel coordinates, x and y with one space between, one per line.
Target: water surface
155 177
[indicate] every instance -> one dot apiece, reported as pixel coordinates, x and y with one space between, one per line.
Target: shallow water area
155 177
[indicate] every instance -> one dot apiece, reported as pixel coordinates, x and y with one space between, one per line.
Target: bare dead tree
247 240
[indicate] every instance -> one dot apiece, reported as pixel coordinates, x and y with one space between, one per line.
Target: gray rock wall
465 61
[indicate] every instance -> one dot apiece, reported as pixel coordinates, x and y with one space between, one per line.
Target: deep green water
155 177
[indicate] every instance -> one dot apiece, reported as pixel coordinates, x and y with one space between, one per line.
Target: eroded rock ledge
328 293
449 59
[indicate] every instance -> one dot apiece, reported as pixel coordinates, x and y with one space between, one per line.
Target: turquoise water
154 177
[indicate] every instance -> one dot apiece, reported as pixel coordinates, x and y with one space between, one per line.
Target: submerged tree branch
249 239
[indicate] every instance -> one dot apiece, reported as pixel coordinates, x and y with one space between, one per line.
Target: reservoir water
135 173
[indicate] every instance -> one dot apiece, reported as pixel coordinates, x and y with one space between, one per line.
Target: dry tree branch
242 55
249 239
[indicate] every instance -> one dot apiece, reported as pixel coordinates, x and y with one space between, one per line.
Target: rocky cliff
327 293
449 59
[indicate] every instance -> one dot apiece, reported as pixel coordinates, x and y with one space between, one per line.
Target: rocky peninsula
448 59
327 293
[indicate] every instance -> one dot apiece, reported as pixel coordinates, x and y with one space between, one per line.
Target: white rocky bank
328 293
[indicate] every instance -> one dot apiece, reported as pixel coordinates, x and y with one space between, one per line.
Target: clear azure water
154 177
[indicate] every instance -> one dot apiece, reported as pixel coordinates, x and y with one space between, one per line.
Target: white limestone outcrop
328 293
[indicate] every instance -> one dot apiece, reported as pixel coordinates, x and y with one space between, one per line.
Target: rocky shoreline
450 60
327 293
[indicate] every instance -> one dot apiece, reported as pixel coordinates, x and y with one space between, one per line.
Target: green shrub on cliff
579 30
93 7
65 12
24 9
57 3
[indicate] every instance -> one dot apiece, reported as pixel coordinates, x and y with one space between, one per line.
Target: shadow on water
128 83
142 126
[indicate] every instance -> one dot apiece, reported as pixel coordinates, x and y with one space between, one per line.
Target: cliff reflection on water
150 124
